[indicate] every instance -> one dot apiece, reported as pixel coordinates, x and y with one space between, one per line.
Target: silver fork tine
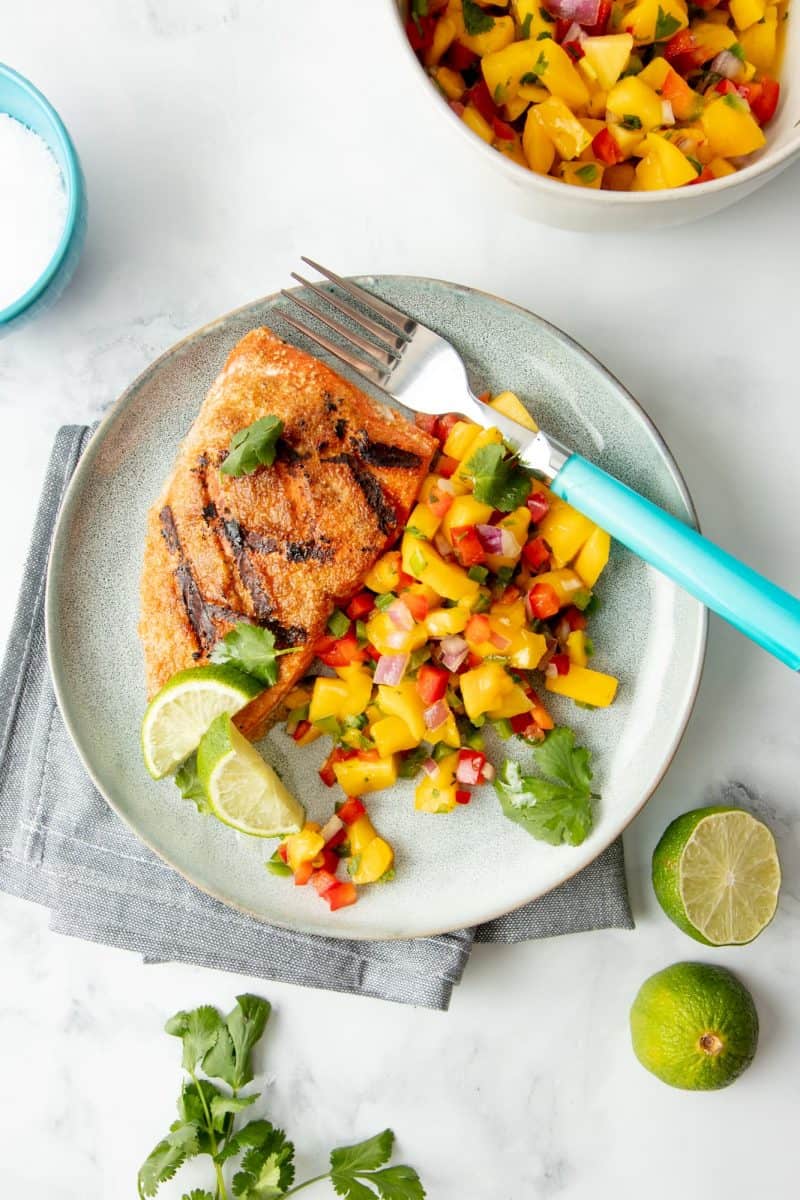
373 373
385 357
392 316
387 339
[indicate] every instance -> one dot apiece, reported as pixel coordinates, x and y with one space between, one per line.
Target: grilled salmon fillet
279 548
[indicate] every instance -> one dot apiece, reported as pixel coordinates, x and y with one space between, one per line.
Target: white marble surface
222 138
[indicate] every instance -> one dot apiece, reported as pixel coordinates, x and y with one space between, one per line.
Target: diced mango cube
494 39
585 686
511 406
356 776
582 174
556 70
593 556
404 701
537 145
565 530
760 41
385 575
512 704
561 126
656 20
746 12
576 648
730 127
391 734
608 55
460 438
663 166
423 521
465 510
451 82
444 34
447 622
340 698
477 123
360 833
421 560
437 793
373 863
630 100
484 687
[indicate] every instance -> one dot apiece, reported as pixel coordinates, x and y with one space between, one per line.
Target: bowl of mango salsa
616 113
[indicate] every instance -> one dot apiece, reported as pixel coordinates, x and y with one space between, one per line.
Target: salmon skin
282 547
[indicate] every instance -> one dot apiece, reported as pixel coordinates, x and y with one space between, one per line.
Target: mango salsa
577 102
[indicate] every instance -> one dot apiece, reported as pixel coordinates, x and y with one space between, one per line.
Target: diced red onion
401 615
726 64
390 669
454 644
442 545
487 772
562 629
574 33
457 107
454 651
331 828
491 537
436 715
551 670
499 642
430 767
445 485
467 771
585 12
667 115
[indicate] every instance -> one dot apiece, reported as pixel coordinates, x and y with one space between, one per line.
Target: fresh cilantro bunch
222 1048
253 447
475 19
252 650
557 809
498 481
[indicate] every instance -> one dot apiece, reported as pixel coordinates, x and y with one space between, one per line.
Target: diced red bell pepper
326 772
603 17
417 605
300 730
360 606
282 851
372 652
351 810
725 87
326 860
340 652
705 176
467 545
538 712
561 663
364 755
323 881
575 618
405 580
762 97
470 766
525 726
419 31
478 628
460 58
341 895
337 839
439 502
446 422
503 131
303 873
574 49
605 148
686 53
432 683
536 552
538 506
480 96
463 796
563 26
426 422
447 466
472 660
543 601
511 594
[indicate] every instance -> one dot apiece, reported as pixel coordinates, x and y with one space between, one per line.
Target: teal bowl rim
74 188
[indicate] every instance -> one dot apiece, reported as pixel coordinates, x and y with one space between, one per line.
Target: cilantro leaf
252 650
245 1023
197 1194
504 485
252 447
666 25
164 1159
541 64
267 1168
198 1030
398 1183
188 782
475 19
223 1106
631 121
554 810
349 1187
195 1098
364 1156
525 27
587 172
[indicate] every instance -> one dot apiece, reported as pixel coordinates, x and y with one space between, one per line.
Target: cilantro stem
305 1184
222 1191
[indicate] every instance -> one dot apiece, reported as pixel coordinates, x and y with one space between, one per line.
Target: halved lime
716 875
694 1026
242 788
179 715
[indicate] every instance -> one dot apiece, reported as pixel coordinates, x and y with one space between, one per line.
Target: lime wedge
179 715
242 788
716 875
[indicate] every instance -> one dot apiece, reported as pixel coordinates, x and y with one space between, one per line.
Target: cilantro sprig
498 481
252 650
253 447
218 1050
556 809
475 19
666 25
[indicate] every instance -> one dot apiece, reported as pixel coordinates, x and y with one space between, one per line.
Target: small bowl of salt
42 202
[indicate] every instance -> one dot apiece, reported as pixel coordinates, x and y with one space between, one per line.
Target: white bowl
589 210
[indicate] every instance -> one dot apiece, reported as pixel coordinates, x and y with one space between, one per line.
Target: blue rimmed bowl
21 100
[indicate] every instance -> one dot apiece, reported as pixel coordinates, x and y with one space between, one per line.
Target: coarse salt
33 205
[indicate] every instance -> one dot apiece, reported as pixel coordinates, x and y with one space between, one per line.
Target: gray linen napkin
62 846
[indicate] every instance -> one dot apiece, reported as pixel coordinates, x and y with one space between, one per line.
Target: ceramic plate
453 870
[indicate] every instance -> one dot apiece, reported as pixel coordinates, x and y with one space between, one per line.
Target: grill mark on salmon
372 491
379 454
263 606
196 610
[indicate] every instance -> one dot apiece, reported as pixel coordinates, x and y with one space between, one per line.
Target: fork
418 367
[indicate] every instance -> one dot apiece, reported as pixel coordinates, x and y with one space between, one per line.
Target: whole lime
716 875
695 1026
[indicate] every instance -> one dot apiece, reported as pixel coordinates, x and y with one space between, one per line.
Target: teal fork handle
760 609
